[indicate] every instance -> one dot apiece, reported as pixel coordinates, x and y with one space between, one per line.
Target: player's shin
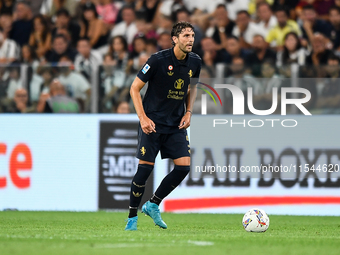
138 187
169 183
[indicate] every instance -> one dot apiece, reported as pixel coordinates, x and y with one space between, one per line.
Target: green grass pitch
63 233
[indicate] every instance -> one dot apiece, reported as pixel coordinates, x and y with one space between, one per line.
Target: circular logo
170 67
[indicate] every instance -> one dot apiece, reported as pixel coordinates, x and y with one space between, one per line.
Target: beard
184 49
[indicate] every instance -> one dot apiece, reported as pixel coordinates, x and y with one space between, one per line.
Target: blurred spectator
127 27
22 27
7 6
292 51
211 55
319 54
6 20
76 85
234 50
240 78
9 50
277 34
223 26
260 54
108 11
57 101
14 82
50 7
245 29
288 5
36 6
139 49
234 6
329 100
334 19
40 82
87 58
145 28
320 6
270 80
151 46
148 8
19 103
312 25
40 38
93 27
28 56
164 41
122 107
170 7
60 47
164 24
63 21
267 19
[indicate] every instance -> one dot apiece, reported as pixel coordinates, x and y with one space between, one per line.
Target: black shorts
174 145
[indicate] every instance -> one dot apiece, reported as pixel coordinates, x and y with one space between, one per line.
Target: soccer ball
255 220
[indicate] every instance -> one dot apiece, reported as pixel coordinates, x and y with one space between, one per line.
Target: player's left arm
191 97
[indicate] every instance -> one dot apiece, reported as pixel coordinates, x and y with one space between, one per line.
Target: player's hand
185 122
148 126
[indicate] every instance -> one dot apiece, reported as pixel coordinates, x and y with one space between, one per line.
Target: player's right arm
147 125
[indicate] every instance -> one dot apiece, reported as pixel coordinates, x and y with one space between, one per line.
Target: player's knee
183 169
142 174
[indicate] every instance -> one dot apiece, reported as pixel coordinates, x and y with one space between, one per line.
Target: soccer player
164 117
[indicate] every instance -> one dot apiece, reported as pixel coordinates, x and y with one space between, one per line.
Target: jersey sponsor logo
190 73
170 73
170 67
145 69
143 151
179 84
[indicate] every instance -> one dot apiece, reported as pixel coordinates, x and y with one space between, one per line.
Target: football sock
171 181
155 199
138 184
132 211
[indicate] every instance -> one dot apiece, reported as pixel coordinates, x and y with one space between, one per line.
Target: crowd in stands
69 45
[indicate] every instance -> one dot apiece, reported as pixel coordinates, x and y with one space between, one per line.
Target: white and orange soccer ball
255 220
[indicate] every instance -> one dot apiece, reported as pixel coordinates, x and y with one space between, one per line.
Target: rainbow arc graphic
209 93
204 97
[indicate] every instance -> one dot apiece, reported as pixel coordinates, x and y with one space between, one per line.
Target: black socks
169 183
138 187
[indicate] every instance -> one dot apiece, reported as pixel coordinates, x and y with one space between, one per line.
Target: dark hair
178 28
60 36
126 7
84 38
123 41
333 57
45 24
282 9
233 37
285 54
63 11
308 7
138 37
85 7
31 50
221 6
334 8
243 12
151 41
